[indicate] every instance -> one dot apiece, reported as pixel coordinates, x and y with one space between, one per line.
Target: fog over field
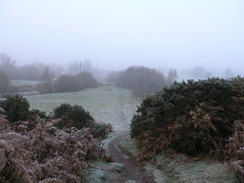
116 34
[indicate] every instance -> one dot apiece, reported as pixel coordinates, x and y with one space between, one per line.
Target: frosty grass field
106 103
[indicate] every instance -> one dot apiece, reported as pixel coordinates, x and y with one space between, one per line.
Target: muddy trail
132 171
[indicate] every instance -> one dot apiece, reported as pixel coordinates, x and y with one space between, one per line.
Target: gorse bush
191 117
75 116
16 107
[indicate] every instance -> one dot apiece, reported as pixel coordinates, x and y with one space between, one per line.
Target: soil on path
132 171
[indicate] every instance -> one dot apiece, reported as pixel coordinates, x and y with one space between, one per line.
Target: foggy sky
119 33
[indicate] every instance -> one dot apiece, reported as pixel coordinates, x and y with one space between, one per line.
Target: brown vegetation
235 149
37 151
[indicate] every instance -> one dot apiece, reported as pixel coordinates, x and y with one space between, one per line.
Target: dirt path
132 170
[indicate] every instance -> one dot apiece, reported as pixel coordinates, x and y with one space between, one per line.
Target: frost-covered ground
182 169
106 103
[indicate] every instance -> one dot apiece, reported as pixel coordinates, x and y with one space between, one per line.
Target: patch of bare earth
132 171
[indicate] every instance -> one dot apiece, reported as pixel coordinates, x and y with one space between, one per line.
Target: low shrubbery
74 116
194 117
77 116
16 107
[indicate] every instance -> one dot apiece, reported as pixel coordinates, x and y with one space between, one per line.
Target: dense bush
66 83
141 80
16 107
76 116
191 117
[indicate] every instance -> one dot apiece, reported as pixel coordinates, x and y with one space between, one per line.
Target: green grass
106 103
24 82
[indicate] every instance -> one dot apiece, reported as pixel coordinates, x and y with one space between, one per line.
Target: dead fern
235 149
37 151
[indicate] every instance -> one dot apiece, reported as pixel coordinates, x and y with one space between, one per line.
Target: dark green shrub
190 117
75 116
16 107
